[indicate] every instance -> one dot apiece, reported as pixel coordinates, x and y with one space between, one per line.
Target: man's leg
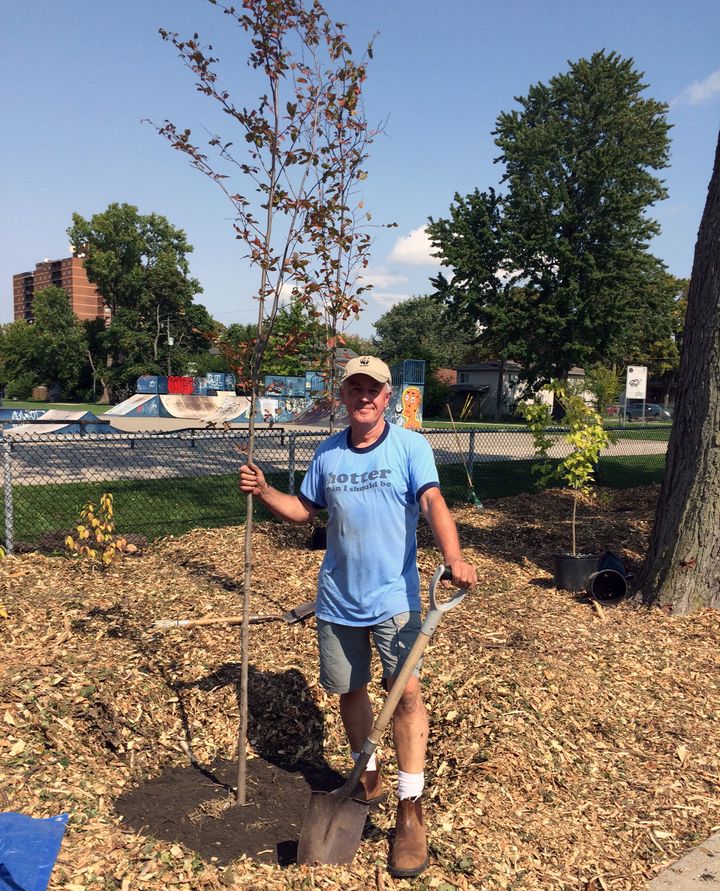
394 639
357 718
409 855
345 657
410 728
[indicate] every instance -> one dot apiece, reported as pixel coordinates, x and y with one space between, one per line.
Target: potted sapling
586 438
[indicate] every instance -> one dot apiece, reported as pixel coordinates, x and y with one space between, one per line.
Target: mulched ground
572 746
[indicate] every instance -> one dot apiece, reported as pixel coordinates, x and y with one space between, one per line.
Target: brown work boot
369 787
409 855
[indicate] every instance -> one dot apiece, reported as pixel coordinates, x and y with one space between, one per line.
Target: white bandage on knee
372 763
410 785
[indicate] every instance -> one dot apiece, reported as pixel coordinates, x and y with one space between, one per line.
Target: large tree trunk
682 571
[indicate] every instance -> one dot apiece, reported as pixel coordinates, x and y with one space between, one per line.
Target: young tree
297 180
138 262
682 571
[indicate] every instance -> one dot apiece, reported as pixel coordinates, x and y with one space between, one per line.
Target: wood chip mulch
572 746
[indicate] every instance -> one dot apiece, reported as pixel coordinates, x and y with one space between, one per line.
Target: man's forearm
443 529
286 507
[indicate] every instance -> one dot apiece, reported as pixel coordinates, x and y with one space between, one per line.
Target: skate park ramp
234 410
141 405
318 414
198 408
56 421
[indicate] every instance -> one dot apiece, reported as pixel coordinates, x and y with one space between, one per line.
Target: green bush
21 387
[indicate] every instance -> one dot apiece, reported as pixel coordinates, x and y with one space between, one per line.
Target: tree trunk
106 394
500 390
682 570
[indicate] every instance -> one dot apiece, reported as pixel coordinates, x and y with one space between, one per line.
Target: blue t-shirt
372 497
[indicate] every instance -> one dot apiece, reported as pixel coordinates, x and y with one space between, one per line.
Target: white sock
372 763
410 785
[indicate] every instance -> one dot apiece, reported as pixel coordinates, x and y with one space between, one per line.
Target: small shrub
96 541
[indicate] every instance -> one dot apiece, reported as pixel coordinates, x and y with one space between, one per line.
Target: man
373 478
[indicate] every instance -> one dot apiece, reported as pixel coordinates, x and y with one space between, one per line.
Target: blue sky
80 77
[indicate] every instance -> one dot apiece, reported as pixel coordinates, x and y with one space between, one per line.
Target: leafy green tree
604 385
59 341
552 271
422 328
362 346
653 334
139 264
472 243
580 157
292 324
17 353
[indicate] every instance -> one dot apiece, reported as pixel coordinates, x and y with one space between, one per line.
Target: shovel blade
332 828
300 612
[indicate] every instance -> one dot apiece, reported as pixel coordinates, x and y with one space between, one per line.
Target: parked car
653 412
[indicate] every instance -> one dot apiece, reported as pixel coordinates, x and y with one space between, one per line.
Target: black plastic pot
571 572
606 584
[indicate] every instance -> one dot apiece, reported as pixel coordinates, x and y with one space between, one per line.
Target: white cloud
701 91
414 249
381 277
387 299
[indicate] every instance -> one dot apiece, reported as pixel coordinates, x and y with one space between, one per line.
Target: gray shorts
346 652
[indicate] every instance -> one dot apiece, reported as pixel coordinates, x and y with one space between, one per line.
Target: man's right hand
252 480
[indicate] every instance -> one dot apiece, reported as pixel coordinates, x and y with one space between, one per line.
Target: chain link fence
167 483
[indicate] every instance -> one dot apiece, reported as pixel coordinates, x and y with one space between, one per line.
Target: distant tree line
139 264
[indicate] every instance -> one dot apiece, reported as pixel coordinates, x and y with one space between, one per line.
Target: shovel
297 614
334 821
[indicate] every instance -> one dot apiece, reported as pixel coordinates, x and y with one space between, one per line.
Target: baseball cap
369 365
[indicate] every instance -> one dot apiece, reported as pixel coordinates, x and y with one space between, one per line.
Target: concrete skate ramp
141 405
318 415
199 408
56 421
234 410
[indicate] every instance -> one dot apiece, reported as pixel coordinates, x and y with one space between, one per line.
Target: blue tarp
28 850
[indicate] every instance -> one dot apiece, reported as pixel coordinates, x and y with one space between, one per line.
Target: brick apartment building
68 274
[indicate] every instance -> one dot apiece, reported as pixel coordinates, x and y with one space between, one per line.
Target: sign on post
636 382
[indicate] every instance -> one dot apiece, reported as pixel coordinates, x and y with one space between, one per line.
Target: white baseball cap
369 365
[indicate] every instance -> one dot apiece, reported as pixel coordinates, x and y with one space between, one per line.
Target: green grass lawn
151 508
432 424
155 508
61 406
654 432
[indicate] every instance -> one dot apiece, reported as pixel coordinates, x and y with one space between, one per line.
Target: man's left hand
464 574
